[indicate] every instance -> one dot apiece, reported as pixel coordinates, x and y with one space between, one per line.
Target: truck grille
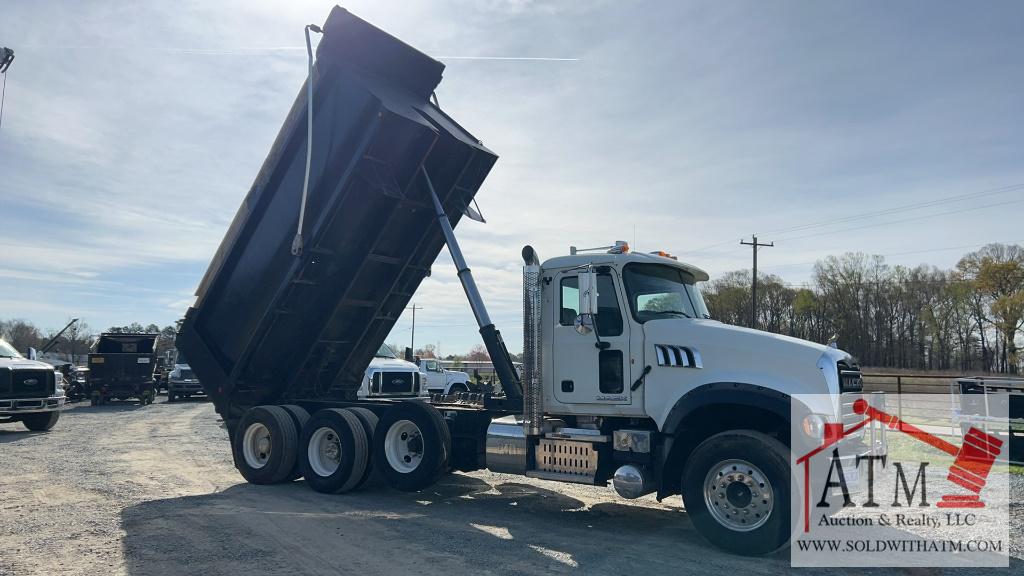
849 378
395 383
850 387
27 383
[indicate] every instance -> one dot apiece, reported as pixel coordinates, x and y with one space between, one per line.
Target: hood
379 363
742 355
24 364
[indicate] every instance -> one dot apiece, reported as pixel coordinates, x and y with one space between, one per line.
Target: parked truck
626 378
181 382
121 366
31 392
441 380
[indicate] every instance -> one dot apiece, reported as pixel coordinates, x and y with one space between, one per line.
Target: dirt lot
128 490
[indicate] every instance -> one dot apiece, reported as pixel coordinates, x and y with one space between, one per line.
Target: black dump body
122 363
268 326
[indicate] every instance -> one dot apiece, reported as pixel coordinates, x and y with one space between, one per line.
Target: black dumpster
267 326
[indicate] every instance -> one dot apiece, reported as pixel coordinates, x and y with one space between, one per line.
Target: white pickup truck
30 392
440 380
389 376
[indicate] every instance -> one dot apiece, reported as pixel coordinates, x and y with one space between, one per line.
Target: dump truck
121 366
626 379
31 392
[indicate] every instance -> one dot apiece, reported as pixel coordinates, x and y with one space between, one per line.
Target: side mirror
584 322
32 355
408 354
588 293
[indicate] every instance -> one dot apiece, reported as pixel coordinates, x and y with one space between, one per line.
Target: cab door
583 372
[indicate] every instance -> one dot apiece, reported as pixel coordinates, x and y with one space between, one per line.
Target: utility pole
412 341
753 291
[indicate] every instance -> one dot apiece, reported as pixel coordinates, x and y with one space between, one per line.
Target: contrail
257 50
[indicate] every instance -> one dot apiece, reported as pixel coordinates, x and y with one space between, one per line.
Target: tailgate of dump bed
268 325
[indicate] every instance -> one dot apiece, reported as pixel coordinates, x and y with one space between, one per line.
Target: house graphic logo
973 460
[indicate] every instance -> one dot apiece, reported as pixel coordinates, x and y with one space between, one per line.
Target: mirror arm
600 345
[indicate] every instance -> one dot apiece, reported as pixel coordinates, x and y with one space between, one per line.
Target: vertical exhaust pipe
533 394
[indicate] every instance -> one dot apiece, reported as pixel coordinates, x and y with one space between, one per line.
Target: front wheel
736 488
40 421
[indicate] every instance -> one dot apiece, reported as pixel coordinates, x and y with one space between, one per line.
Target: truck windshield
384 352
8 351
659 291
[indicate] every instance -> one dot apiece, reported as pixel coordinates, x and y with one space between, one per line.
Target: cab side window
609 315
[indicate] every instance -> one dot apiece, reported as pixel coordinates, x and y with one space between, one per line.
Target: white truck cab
440 380
649 340
388 376
31 392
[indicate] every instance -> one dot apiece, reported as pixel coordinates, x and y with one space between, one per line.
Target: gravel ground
152 491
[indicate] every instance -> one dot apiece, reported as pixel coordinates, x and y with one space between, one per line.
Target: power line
898 209
915 218
884 212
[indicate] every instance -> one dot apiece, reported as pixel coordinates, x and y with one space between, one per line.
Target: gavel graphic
974 458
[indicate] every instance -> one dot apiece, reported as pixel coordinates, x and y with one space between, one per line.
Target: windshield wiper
673 312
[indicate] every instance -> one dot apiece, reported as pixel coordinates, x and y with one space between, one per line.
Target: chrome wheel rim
403 446
256 445
324 451
738 495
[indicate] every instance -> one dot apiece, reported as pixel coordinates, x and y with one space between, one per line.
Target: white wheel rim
256 445
403 446
324 452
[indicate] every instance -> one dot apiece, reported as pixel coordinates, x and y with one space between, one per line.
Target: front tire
265 445
411 446
736 487
334 451
457 388
40 421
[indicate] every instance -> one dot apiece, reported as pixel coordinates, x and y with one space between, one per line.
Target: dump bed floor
269 326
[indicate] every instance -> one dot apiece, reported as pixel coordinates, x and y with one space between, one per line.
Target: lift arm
496 349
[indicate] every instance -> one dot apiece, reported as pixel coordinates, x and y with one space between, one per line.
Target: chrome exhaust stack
533 393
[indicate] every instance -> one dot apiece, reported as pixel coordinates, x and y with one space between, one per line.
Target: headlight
813 426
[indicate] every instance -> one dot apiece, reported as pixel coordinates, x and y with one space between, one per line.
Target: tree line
77 339
965 319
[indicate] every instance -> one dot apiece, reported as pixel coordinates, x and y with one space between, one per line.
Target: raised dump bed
269 327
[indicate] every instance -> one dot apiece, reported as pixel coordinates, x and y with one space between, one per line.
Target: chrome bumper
27 405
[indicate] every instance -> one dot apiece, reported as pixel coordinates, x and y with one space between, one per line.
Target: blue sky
132 131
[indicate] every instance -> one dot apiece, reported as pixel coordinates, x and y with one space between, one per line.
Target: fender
734 393
675 448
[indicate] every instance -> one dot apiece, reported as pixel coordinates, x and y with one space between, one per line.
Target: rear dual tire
264 445
411 446
340 450
334 451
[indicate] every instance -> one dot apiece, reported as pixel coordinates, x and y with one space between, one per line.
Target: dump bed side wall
268 325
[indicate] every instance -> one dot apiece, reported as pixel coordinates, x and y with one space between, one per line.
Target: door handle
567 386
640 380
